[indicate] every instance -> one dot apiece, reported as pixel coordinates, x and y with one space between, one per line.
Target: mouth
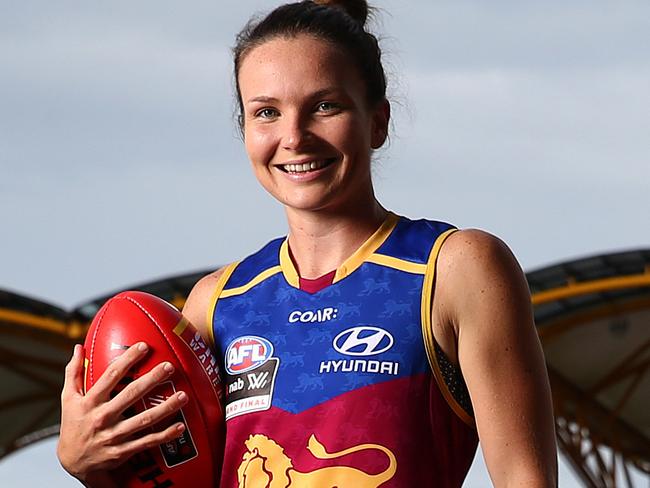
314 165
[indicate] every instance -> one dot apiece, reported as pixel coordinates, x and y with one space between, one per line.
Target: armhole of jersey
427 329
221 283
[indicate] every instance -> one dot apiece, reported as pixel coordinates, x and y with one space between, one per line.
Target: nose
296 132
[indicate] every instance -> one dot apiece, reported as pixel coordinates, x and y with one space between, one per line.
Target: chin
305 202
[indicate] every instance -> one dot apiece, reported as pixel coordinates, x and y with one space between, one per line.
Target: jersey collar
350 264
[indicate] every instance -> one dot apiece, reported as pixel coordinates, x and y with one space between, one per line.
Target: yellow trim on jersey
231 292
221 283
367 248
181 326
397 263
427 328
350 264
289 270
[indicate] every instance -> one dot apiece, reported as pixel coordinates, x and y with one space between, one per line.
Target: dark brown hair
340 22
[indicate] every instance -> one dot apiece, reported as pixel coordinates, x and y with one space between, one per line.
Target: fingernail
75 350
180 427
142 346
182 396
168 367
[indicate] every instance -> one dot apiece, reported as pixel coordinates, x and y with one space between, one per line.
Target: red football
194 459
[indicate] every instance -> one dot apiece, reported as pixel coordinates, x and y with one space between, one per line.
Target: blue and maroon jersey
344 387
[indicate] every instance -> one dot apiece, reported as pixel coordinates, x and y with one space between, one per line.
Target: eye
267 113
327 107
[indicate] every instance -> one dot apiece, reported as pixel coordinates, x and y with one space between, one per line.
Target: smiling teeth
302 168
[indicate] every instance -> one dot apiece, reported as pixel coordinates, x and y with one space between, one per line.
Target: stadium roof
593 318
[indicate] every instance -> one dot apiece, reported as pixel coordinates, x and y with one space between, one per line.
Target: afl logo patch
247 353
363 341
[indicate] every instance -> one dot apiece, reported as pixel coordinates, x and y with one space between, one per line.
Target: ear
380 119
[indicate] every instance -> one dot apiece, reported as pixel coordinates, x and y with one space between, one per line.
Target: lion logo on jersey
265 465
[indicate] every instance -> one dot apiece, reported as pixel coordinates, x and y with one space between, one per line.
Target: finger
135 390
152 416
149 441
115 371
73 382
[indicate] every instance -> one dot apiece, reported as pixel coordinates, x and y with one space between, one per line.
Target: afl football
194 458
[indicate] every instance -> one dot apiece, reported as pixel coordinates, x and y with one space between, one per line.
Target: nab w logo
257 381
363 341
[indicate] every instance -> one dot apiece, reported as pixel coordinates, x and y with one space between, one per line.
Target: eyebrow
318 94
325 92
262 99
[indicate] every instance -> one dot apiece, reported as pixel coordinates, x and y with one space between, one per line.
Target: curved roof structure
36 340
592 314
34 347
593 318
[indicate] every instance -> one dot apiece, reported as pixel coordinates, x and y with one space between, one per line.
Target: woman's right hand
95 436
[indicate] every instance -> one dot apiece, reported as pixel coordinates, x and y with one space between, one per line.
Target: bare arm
484 295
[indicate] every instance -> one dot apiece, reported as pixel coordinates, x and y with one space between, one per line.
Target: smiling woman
307 125
429 342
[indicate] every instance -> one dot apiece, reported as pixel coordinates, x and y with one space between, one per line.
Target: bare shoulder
475 265
199 300
477 277
475 251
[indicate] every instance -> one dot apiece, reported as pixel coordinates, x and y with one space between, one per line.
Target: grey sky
120 162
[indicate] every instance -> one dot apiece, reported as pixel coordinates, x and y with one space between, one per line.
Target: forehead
293 65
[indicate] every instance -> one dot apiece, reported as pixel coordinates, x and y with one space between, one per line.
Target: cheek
354 139
259 146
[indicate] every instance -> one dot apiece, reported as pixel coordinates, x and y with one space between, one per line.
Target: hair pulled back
340 22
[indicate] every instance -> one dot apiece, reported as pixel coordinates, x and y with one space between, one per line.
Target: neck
320 241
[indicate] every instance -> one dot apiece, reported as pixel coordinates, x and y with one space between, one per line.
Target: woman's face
307 127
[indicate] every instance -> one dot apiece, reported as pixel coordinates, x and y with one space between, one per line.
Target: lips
307 166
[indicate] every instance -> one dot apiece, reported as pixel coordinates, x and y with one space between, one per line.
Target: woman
380 343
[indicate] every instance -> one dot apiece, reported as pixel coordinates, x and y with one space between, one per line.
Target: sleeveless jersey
342 387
